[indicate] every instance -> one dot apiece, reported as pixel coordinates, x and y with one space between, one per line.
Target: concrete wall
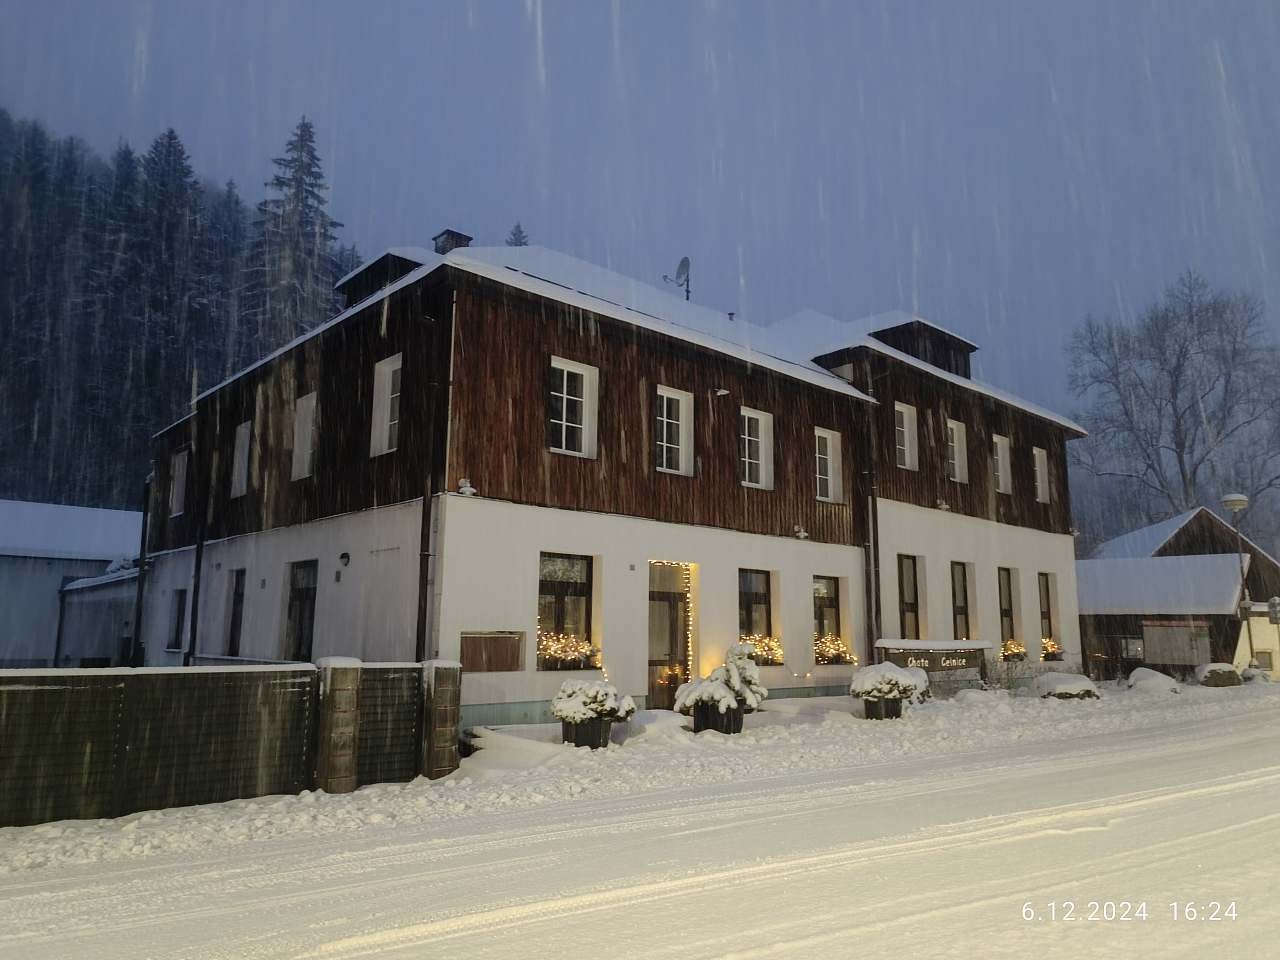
367 608
29 605
939 538
487 579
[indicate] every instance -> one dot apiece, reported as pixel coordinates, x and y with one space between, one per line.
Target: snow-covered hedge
581 700
919 677
736 683
1217 675
1066 686
884 681
1146 680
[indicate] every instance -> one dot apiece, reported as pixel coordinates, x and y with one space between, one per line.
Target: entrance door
668 633
300 626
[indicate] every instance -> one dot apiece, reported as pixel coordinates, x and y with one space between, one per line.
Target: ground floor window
300 623
235 618
828 646
1050 648
908 597
960 601
1265 659
564 613
1011 648
755 616
177 619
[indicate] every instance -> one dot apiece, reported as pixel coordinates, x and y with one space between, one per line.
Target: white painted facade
486 579
366 608
939 538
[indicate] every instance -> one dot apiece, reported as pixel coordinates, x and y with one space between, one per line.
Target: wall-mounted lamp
942 504
801 533
721 392
344 558
465 488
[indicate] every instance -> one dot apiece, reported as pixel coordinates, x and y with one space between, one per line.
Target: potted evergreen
587 709
719 700
882 687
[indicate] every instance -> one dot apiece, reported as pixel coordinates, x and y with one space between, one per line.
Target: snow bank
1066 686
1146 680
512 773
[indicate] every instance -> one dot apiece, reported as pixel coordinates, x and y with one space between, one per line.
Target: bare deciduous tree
1183 403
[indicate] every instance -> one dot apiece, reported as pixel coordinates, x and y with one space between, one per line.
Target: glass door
668 632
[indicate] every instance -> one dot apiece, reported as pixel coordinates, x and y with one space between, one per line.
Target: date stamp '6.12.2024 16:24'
1130 911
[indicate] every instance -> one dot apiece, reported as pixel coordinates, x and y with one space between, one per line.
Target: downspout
873 536
202 484
133 656
62 613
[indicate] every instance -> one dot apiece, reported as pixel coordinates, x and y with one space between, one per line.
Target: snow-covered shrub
736 683
919 677
883 681
1146 680
581 700
1249 674
1066 686
1217 675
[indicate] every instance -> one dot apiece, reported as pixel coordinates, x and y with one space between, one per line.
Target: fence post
441 695
339 724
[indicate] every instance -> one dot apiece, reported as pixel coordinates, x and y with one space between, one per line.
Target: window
1046 607
235 619
1011 648
384 429
1000 464
755 448
1040 463
177 483
957 462
571 408
1265 659
828 645
564 612
495 651
304 435
300 621
827 464
908 597
240 460
674 431
177 620
960 601
904 436
755 615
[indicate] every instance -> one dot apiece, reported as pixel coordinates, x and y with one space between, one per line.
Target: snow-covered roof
56 532
879 322
1145 541
84 583
418 255
1200 584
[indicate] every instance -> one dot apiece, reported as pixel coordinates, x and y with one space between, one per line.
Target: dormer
909 334
382 271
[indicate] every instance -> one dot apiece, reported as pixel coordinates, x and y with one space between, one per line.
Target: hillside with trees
128 285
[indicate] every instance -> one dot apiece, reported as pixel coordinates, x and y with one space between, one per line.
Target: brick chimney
447 240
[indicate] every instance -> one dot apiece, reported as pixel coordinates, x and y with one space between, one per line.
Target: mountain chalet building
518 460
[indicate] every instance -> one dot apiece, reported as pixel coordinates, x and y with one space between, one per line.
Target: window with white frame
1040 464
304 436
1001 465
240 460
904 436
178 483
384 428
827 472
957 459
571 408
755 448
674 431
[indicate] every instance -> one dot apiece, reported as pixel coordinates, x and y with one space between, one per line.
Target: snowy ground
813 834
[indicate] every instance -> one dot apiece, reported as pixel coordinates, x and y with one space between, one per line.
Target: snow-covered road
931 856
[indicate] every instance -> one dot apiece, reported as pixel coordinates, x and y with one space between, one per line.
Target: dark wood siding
503 346
936 400
1206 533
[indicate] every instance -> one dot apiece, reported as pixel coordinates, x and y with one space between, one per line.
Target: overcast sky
1003 169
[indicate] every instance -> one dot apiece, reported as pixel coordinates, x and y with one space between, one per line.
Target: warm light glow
565 647
1012 649
686 570
1049 647
768 650
828 648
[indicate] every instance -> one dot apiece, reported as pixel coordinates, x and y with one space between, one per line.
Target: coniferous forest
128 284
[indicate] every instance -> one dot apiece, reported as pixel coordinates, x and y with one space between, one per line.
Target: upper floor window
178 483
571 408
384 428
304 436
827 472
755 448
904 436
1040 465
674 431
1001 466
957 462
240 460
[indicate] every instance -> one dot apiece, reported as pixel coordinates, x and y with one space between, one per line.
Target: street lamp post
1236 503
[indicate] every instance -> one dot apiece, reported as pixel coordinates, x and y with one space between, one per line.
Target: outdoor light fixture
1236 503
344 558
801 533
465 488
721 392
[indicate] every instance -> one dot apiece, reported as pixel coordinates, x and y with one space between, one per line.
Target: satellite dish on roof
681 278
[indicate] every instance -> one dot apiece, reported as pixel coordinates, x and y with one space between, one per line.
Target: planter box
589 733
882 709
707 716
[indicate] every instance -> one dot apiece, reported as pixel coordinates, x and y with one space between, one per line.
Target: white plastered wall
487 579
939 538
370 611
1266 637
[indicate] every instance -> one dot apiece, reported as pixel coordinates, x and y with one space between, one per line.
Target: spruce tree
517 237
